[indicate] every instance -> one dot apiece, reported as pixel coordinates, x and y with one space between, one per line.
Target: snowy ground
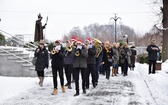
138 88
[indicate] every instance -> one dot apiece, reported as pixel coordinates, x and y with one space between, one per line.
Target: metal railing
18 41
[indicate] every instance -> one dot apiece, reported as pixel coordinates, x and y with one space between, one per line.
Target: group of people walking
91 57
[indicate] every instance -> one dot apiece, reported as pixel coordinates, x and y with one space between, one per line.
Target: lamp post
115 20
126 37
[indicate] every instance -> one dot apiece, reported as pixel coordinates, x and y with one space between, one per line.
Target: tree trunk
165 32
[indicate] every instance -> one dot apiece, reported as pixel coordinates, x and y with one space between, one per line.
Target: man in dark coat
91 61
152 50
133 57
125 58
80 54
42 61
57 65
39 29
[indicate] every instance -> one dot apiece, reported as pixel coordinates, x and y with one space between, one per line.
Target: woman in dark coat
42 61
107 54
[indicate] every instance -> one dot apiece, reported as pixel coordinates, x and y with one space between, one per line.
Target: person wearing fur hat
91 61
80 53
68 63
57 62
42 61
152 50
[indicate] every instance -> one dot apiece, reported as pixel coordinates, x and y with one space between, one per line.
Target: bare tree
165 29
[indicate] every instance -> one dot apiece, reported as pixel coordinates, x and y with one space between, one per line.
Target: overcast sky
19 16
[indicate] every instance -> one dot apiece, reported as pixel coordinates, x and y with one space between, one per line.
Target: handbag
34 60
111 60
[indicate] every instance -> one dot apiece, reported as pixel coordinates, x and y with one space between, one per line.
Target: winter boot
69 87
63 89
77 93
55 91
117 71
42 79
84 91
113 70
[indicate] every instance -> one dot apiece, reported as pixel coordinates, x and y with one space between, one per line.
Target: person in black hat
39 29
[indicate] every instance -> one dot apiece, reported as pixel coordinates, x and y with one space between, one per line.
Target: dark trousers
97 70
68 72
90 70
40 73
61 76
106 68
152 65
125 67
83 73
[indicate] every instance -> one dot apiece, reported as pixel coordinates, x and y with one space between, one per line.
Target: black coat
42 59
58 59
91 55
107 55
152 54
133 54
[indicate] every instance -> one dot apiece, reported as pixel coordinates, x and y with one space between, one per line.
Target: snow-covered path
138 88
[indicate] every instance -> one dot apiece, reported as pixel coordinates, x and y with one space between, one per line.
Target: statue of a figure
39 29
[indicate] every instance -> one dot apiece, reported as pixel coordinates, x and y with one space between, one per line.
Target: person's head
115 45
125 45
41 44
107 44
68 43
79 42
153 41
73 39
87 41
57 42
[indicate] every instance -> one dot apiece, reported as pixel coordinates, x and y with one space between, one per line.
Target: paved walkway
116 91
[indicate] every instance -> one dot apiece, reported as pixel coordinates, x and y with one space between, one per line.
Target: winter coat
80 61
125 54
99 58
91 55
42 61
68 58
58 59
116 56
38 31
152 54
107 55
133 54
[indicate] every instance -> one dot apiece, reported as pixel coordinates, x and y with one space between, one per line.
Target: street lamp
115 19
126 37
